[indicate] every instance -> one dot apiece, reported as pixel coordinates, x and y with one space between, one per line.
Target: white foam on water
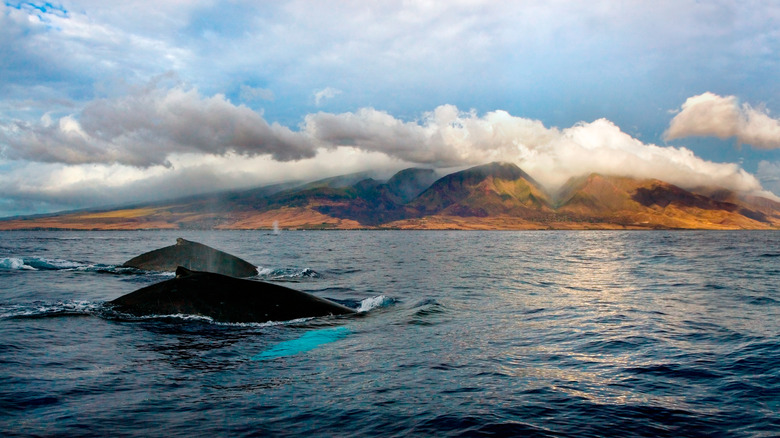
44 309
209 320
54 264
286 273
262 272
14 263
181 316
40 263
265 324
35 263
372 303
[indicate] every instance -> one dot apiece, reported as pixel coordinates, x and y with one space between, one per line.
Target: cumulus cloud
449 137
602 147
710 115
144 128
443 137
176 141
326 93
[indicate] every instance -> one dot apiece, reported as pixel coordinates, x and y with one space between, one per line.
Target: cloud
326 93
602 147
558 61
710 115
249 94
46 45
144 128
149 127
443 137
65 187
448 137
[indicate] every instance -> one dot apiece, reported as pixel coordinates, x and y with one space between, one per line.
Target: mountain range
497 196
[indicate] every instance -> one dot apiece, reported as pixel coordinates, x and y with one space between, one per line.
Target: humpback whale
225 299
192 255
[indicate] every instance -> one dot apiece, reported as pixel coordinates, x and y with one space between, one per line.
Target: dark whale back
192 255
225 299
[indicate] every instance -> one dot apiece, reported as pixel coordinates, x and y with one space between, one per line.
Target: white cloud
448 137
144 128
64 187
326 93
151 127
710 115
444 136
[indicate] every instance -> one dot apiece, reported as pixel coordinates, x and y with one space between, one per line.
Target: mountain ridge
490 196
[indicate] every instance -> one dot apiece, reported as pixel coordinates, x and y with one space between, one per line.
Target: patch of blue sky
44 7
43 11
39 8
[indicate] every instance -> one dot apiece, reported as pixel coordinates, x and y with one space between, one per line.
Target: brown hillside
496 196
652 203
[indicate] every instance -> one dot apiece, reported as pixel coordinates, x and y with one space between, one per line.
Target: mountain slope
376 203
491 196
407 184
482 191
631 202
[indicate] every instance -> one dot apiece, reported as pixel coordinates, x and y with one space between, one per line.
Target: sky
110 103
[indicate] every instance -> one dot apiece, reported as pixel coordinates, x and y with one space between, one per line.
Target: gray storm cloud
710 115
145 128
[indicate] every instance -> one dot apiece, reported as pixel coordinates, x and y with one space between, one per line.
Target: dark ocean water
466 334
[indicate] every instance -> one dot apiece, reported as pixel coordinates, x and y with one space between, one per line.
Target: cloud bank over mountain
449 137
137 136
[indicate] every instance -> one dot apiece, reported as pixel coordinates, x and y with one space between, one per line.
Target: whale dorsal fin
181 272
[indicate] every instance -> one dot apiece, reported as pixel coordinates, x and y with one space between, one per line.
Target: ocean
540 333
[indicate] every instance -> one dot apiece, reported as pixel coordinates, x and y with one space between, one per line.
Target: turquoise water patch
309 341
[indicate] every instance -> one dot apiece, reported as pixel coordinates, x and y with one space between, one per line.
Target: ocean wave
14 263
39 264
286 273
189 318
333 289
343 271
47 264
42 309
375 302
426 312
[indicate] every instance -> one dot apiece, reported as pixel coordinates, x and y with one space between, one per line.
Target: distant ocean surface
542 333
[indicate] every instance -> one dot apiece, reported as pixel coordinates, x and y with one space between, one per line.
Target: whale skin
195 256
225 299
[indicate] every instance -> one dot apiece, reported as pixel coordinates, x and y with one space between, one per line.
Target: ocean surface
559 333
